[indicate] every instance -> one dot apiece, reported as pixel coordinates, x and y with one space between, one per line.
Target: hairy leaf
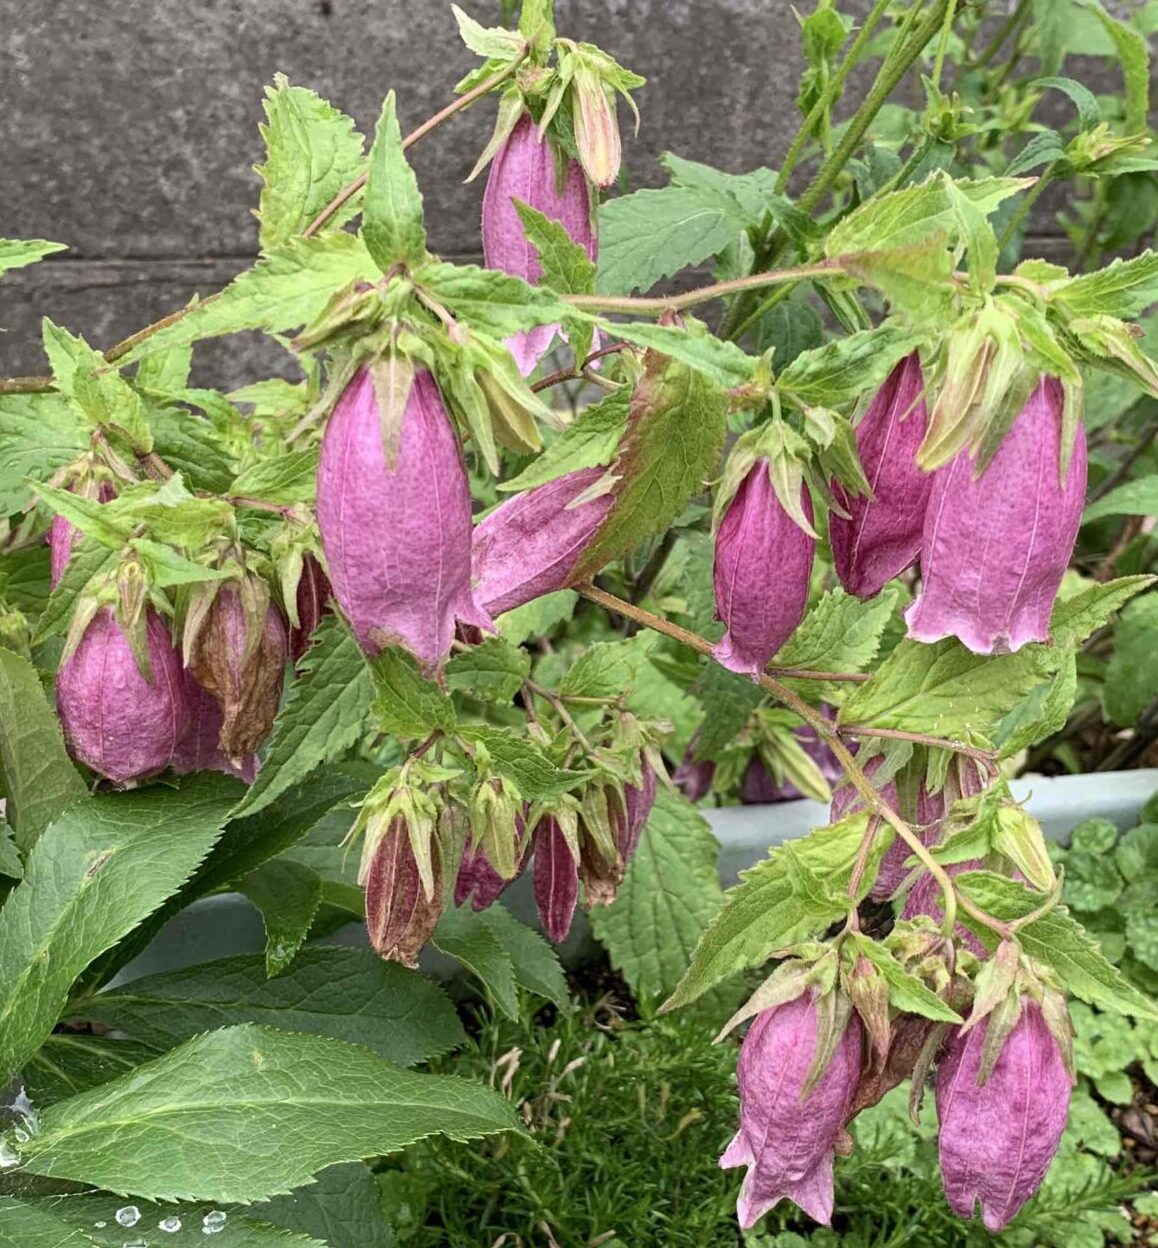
406 704
38 433
392 204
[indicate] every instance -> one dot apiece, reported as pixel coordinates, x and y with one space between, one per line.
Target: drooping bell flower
527 168
397 537
555 875
313 595
629 818
530 545
997 1138
760 786
881 536
115 721
477 881
995 548
199 748
761 574
786 1139
238 657
400 915
694 780
62 534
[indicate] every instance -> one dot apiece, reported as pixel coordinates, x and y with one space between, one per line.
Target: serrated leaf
1058 940
491 672
282 292
1132 498
538 617
102 867
38 433
312 152
906 992
534 961
342 1208
1134 57
324 714
1131 682
288 895
765 912
589 441
566 266
606 669
10 864
328 990
840 633
392 225
675 432
1043 148
722 361
469 938
668 898
190 445
287 479
491 302
248 1112
845 368
728 700
486 41
39 779
406 703
521 761
15 253
71 1062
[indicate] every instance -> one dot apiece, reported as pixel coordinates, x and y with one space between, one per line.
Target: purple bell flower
555 879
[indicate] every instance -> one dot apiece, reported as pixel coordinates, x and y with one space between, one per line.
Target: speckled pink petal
882 536
555 878
761 574
198 749
995 549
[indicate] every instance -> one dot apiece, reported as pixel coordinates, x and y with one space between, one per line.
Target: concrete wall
128 130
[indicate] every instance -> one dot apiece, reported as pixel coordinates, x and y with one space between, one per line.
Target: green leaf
39 778
1058 940
469 938
566 266
589 441
728 700
1042 149
491 672
754 194
324 714
845 368
906 992
491 302
1084 100
653 234
392 204
89 1220
534 961
287 479
342 1208
312 152
101 868
282 292
537 617
1076 617
675 432
71 1062
1131 675
668 898
288 895
722 361
10 864
38 433
1131 498
248 1112
406 704
767 910
606 669
839 634
486 41
190 445
15 253
328 990
1124 288
520 760
1134 57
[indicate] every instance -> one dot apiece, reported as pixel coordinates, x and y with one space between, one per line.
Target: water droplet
130 1215
213 1222
99 1226
22 1136
9 1157
170 1224
136 1243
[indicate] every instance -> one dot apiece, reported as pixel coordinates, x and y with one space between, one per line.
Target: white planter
218 927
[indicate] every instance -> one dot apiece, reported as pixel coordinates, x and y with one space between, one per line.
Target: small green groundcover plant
413 602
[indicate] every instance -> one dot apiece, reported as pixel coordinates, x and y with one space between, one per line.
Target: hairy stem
987 757
817 720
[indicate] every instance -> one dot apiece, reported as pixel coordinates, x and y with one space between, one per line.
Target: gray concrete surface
128 130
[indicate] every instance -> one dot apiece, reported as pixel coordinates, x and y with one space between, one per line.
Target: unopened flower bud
881 536
527 168
762 569
786 1138
115 721
998 1137
995 547
597 129
555 878
397 536
312 600
478 881
401 914
629 818
530 545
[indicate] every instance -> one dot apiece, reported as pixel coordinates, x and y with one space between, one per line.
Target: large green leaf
467 937
39 777
312 152
1131 498
845 368
101 868
392 204
342 1208
491 302
288 895
69 1062
776 905
248 1112
38 433
590 440
668 898
1124 288
493 671
323 715
1132 674
407 703
839 634
329 990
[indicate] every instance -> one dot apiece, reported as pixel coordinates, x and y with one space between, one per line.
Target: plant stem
817 720
575 374
830 93
1003 32
37 385
1027 203
561 710
943 43
987 757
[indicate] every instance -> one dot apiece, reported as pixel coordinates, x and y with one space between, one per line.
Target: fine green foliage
99 870
248 1112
